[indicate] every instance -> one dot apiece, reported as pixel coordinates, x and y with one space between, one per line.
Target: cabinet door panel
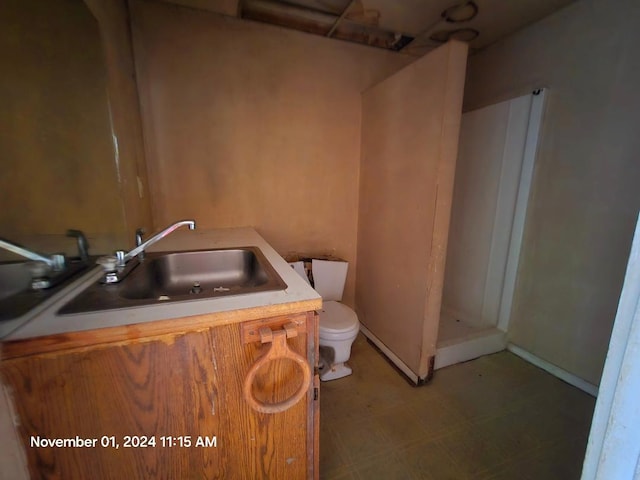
174 388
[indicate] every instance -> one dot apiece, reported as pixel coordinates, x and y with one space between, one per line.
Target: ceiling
409 26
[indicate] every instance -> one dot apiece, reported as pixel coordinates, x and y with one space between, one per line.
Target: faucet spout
83 244
123 258
55 262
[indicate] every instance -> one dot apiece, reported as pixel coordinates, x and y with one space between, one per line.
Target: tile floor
497 417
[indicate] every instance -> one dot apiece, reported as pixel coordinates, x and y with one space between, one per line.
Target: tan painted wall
68 90
409 146
586 189
247 124
225 7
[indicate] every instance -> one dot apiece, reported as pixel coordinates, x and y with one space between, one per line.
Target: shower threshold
459 341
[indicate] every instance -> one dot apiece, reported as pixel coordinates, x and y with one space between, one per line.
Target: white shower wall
489 204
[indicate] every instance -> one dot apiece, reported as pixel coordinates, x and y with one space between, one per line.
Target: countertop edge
148 330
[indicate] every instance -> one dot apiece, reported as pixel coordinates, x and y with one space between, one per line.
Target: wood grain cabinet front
174 406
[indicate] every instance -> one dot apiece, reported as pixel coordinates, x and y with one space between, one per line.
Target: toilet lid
336 317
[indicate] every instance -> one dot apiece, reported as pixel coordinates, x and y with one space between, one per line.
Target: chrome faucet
139 233
55 262
83 244
122 257
118 266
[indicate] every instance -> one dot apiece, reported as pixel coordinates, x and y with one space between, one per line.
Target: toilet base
334 372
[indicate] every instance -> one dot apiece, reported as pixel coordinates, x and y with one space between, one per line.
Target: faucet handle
39 272
109 265
139 233
120 256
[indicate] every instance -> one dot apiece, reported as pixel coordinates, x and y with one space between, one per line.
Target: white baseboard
570 378
390 355
468 349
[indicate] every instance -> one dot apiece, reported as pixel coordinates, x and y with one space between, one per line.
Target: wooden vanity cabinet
165 406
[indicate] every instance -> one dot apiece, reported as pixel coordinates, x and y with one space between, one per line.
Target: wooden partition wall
410 126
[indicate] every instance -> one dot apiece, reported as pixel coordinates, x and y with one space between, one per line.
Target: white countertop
44 320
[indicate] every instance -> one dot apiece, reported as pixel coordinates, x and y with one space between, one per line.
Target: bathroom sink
16 295
14 278
182 276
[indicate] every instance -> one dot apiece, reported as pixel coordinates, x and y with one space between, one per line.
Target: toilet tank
329 277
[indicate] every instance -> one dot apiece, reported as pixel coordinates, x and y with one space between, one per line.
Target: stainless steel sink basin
14 278
16 295
182 276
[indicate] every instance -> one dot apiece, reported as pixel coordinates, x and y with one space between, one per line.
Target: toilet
339 324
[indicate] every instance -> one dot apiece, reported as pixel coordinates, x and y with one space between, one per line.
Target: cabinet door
170 407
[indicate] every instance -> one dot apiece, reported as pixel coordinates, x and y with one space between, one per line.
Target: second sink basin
16 295
181 276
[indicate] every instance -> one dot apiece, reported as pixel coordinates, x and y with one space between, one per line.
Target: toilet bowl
339 327
339 324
